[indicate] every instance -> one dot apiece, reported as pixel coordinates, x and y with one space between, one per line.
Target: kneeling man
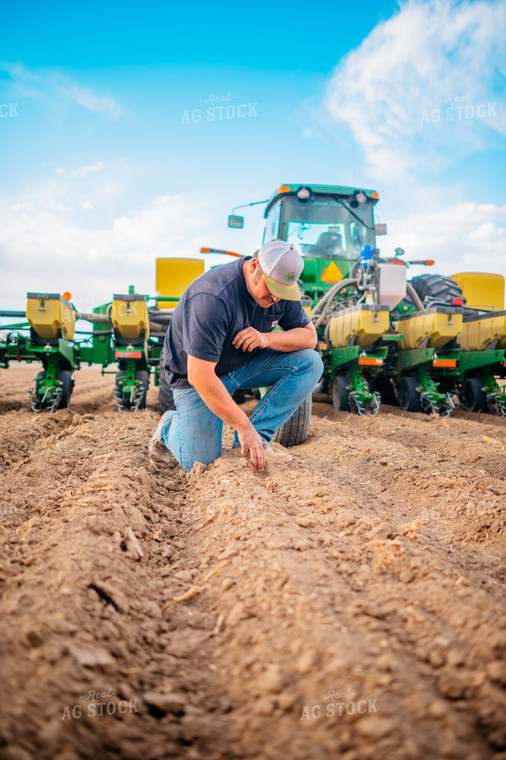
220 340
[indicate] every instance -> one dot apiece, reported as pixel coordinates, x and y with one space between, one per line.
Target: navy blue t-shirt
210 313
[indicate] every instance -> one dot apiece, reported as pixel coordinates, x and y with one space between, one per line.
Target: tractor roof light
360 197
303 193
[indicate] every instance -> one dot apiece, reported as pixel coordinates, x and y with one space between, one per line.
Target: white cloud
99 185
461 237
84 171
86 98
49 247
428 58
55 86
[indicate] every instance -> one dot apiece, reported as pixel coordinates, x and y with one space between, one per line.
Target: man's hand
252 444
249 339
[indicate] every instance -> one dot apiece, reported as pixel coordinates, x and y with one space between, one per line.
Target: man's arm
290 340
202 376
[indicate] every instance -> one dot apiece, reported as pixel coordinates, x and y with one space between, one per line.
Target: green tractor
380 336
334 228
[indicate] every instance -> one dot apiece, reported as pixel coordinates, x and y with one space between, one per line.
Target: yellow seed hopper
360 325
433 328
50 316
484 332
129 315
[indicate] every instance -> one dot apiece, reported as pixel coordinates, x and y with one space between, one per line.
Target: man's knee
312 362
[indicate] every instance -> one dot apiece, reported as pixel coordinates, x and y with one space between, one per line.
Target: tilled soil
350 604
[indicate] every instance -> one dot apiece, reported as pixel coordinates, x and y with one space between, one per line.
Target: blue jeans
194 434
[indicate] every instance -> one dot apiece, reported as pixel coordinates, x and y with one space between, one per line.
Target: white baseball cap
282 265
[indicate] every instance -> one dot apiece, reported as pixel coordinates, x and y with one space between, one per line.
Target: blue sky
106 164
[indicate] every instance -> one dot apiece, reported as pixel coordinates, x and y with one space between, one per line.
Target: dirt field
348 605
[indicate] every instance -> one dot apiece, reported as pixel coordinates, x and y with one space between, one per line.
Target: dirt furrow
93 557
350 604
344 602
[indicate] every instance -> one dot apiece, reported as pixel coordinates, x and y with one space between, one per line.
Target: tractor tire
67 385
409 397
436 289
340 395
295 430
165 397
473 396
143 376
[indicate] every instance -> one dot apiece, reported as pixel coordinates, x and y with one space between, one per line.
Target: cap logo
291 276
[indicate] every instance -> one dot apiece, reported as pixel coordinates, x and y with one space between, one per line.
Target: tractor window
272 223
323 227
320 240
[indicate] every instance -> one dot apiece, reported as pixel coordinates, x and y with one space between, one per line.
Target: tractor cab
328 224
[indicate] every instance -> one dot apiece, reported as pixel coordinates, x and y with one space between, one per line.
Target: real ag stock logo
337 704
459 108
108 705
219 108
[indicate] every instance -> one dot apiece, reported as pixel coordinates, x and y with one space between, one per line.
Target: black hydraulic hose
324 303
323 300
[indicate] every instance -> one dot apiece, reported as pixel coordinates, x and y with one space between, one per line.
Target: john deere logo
291 276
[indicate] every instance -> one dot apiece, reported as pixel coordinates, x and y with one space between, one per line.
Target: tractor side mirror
380 229
236 221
